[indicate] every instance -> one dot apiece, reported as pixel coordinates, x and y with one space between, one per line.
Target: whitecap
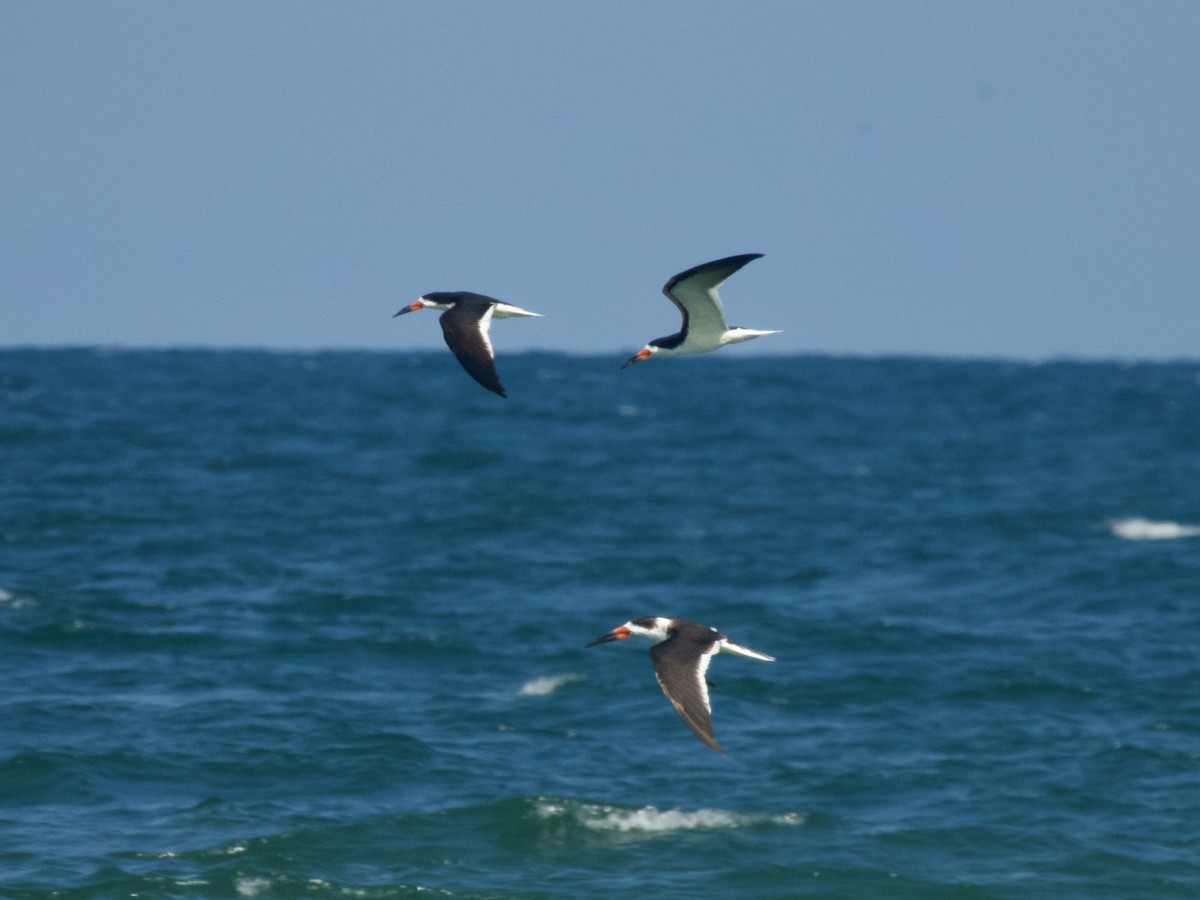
1139 529
546 684
650 820
252 887
14 601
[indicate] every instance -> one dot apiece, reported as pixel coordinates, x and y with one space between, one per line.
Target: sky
1000 179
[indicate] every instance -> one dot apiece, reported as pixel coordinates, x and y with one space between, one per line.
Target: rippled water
278 625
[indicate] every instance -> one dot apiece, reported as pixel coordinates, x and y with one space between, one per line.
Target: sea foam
1139 529
651 820
546 684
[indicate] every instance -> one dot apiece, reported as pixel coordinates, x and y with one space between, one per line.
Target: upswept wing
695 292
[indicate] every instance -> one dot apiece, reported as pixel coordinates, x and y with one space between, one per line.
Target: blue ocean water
312 625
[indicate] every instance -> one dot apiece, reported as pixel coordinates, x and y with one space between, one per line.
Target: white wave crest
15 601
651 820
1139 529
252 887
546 684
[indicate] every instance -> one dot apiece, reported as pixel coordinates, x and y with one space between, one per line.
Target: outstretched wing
695 292
685 686
465 328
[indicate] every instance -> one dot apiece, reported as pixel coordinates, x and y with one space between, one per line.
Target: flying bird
465 324
681 654
704 327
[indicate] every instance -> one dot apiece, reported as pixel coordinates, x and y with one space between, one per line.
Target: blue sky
971 179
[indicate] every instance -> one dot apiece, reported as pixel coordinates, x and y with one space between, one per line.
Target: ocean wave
15 602
650 820
252 887
546 684
1138 529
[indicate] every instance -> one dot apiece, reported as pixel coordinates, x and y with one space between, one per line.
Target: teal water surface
312 625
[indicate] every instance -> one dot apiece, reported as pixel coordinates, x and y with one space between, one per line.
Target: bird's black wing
465 328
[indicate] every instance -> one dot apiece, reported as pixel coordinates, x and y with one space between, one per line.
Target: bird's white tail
730 647
507 311
737 335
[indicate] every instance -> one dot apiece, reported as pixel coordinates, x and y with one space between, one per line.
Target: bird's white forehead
650 626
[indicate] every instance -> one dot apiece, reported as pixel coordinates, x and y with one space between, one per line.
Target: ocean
288 624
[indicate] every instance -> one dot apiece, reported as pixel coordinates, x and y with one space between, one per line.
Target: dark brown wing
465 328
680 673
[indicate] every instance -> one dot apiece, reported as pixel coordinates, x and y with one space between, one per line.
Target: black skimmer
704 328
681 653
465 324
